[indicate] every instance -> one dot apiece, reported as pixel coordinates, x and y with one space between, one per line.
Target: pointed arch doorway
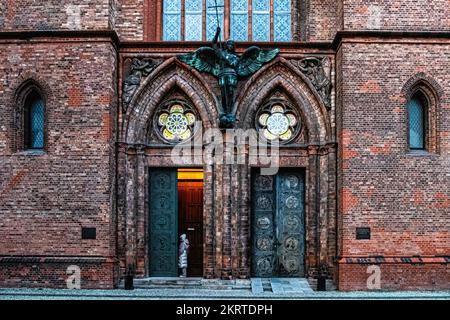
176 207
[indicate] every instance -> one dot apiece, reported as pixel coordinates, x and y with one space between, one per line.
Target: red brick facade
93 171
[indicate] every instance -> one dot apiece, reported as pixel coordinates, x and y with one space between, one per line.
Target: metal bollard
129 282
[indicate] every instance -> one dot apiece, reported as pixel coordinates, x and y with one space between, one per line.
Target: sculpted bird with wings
228 67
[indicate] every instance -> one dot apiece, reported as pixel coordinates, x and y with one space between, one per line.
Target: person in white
183 250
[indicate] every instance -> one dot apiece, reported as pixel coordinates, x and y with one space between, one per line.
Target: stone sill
420 153
35 153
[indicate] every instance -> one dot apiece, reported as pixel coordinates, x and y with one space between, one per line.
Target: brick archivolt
169 75
279 75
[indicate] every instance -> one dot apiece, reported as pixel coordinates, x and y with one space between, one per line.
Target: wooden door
163 223
190 201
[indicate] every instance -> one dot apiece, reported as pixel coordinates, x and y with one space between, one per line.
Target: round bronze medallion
162 181
264 243
163 202
161 242
264 183
264 202
161 222
291 182
291 244
264 266
263 223
291 265
292 202
291 222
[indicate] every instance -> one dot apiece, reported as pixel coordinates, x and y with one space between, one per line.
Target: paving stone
257 286
291 285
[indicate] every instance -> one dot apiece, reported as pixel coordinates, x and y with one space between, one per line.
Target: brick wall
396 277
131 19
403 197
405 15
322 20
55 273
45 198
135 20
18 15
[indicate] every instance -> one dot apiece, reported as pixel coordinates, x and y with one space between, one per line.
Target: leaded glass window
255 20
417 116
34 118
211 17
193 20
277 119
239 20
175 120
282 20
172 20
261 20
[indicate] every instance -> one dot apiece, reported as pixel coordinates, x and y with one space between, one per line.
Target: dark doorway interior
190 216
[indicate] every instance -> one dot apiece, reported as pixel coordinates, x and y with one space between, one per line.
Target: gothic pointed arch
29 120
170 80
279 76
424 93
422 81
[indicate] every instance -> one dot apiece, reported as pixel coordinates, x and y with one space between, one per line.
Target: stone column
141 212
209 221
130 211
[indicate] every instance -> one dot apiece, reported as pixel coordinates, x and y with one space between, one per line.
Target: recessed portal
190 216
175 208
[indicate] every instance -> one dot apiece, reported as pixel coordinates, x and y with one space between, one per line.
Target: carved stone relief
318 71
135 71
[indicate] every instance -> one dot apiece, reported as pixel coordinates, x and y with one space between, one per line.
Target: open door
163 223
176 207
190 216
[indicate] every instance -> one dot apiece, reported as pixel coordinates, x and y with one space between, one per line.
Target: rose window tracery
278 120
175 121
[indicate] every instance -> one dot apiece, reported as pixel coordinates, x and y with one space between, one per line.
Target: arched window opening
417 115
34 122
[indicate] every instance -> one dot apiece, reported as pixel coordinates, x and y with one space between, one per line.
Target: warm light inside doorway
190 174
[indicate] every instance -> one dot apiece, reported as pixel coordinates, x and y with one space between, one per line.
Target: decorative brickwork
348 73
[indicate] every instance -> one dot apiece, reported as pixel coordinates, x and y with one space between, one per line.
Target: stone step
256 285
189 283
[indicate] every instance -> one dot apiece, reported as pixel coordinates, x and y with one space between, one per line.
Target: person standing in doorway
183 252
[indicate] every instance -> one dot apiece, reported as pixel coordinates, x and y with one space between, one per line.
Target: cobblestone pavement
203 294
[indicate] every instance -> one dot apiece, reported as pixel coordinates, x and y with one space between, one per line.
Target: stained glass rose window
279 120
175 121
